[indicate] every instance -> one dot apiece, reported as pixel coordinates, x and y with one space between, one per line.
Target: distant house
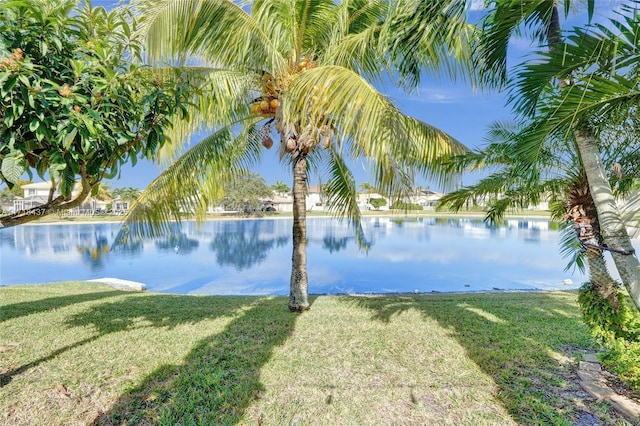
118 205
34 195
278 203
315 199
37 194
364 198
486 200
426 198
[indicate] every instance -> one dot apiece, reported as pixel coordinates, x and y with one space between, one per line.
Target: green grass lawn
74 353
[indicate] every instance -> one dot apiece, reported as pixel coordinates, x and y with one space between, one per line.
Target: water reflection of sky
254 256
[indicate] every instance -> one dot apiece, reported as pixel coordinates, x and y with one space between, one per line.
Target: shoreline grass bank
78 353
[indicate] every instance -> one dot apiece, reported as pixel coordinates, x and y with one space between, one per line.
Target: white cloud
477 5
435 95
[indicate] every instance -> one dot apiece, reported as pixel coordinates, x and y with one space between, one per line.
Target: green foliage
377 202
407 206
281 187
618 330
74 105
622 357
127 193
245 193
606 321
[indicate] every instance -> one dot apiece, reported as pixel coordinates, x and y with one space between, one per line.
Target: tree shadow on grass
220 376
122 313
22 309
516 339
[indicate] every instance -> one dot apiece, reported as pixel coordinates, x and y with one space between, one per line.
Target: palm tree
557 175
127 194
280 188
301 71
600 91
585 68
368 189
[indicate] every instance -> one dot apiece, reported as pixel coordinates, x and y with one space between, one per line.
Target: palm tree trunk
298 300
612 226
582 211
600 278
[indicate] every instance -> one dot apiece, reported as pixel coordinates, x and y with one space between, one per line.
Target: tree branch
53 205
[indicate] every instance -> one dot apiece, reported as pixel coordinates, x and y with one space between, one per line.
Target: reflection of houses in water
412 227
64 243
528 230
531 230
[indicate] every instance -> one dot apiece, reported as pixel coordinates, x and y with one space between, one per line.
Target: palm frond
219 98
357 52
429 149
341 191
354 38
630 210
571 248
217 31
598 66
194 181
503 20
297 28
359 116
428 36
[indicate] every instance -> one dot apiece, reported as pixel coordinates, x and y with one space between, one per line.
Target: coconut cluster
268 104
12 62
265 105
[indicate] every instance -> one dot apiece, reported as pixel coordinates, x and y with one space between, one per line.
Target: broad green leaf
33 125
8 85
12 168
9 119
24 80
68 140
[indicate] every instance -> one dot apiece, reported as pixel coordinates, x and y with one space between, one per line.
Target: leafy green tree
74 106
302 71
245 193
6 194
377 202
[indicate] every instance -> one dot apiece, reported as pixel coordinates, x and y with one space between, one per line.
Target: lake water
253 257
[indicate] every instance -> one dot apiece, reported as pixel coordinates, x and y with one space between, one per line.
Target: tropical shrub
377 202
617 329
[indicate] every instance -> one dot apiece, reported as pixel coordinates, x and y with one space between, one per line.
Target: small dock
121 284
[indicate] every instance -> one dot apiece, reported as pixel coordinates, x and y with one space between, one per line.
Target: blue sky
451 106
